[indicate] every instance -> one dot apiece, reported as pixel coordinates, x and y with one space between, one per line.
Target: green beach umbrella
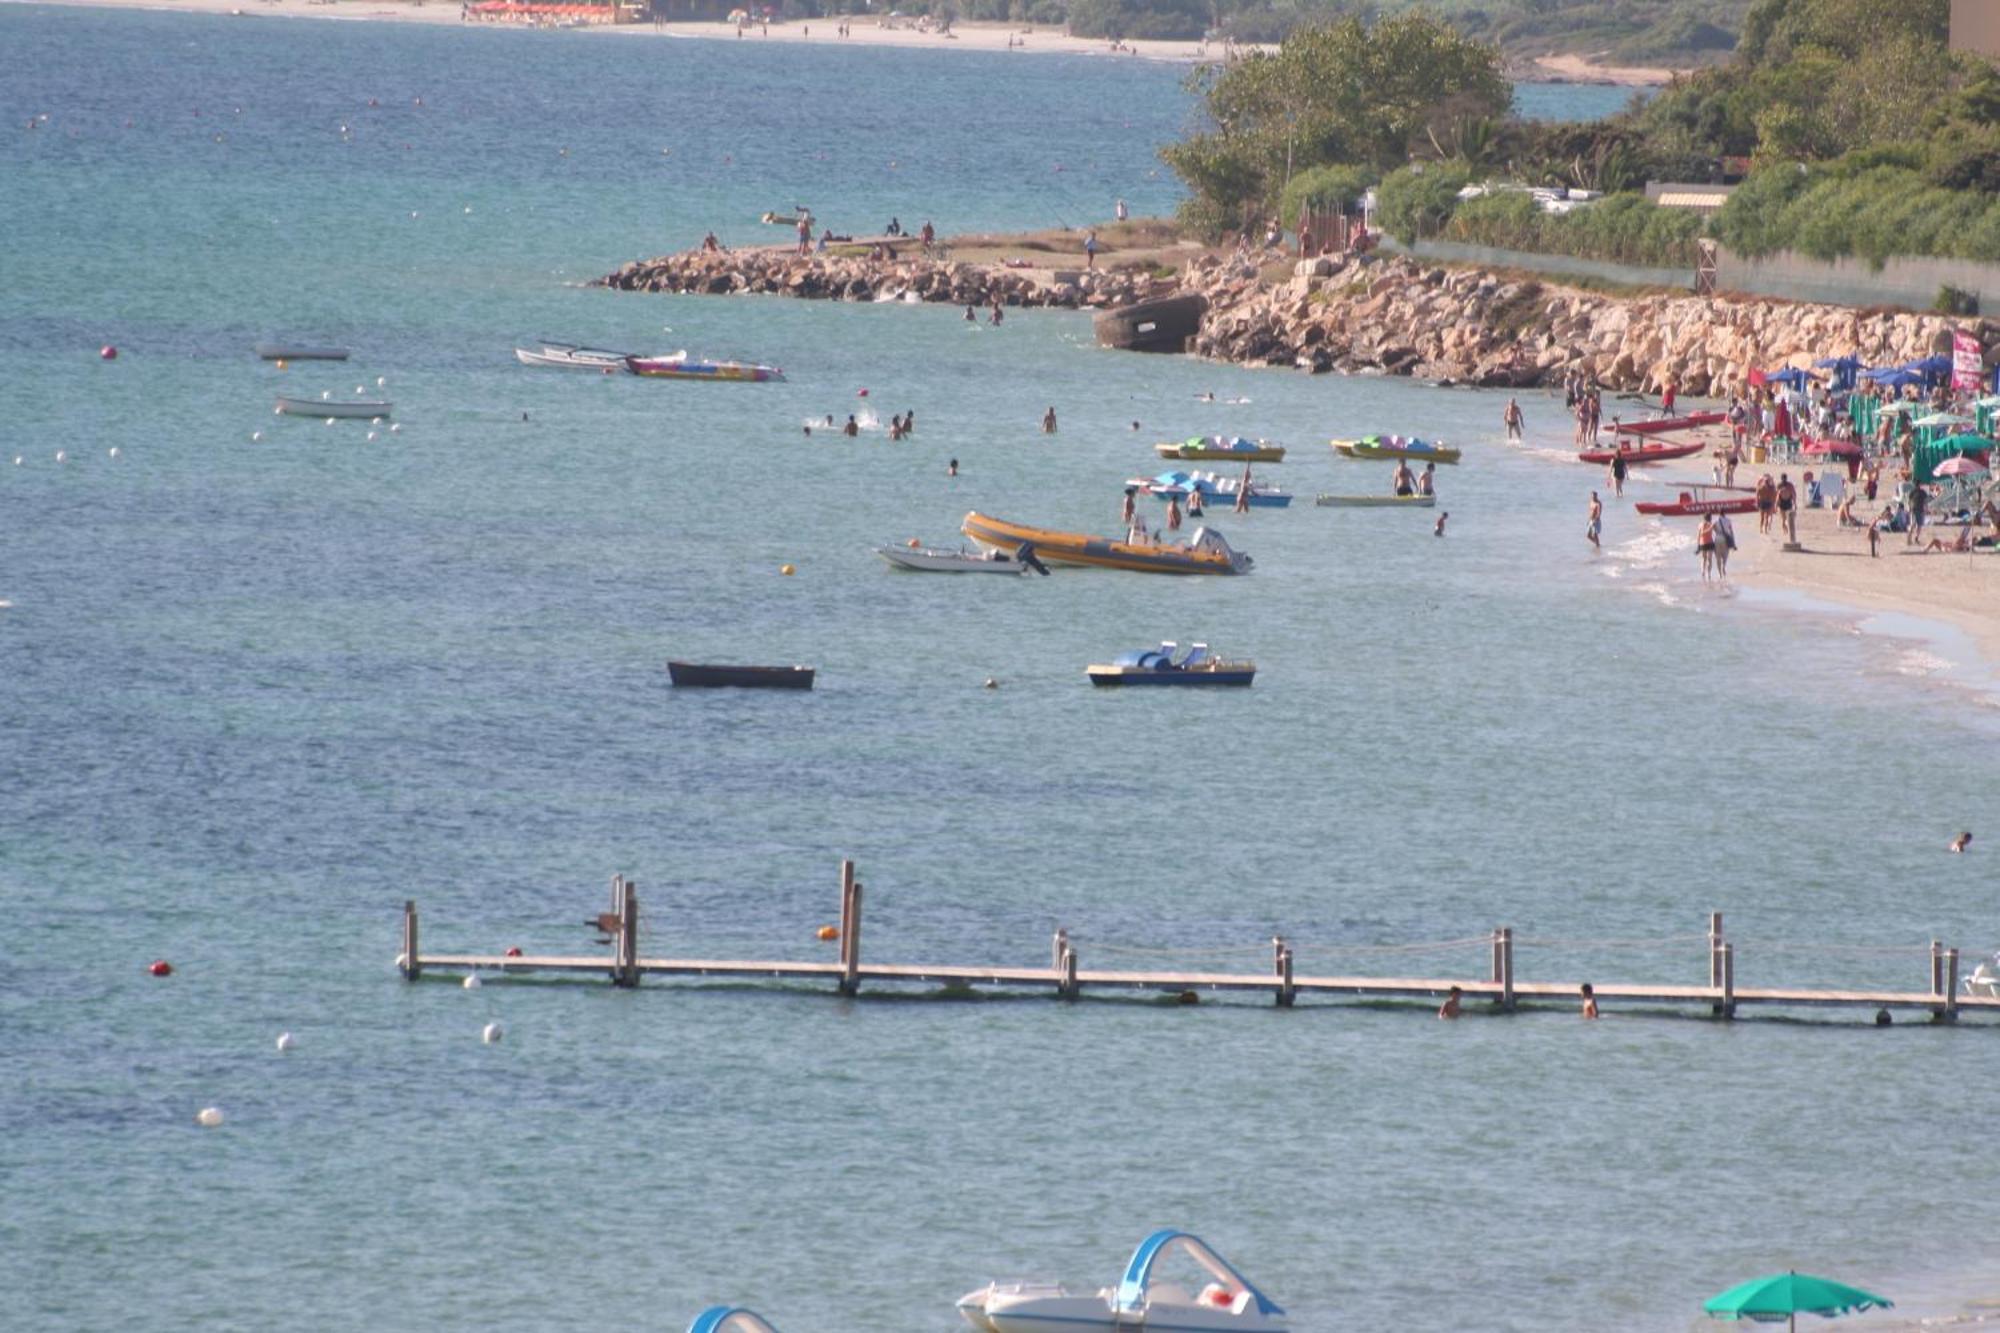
1785 1295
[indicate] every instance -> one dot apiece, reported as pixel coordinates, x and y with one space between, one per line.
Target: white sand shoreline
966 34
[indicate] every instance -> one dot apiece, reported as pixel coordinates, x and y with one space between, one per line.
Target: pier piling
411 963
850 930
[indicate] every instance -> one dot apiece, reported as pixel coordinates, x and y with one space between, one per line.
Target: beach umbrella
1957 467
1784 1295
1843 368
1894 377
1790 376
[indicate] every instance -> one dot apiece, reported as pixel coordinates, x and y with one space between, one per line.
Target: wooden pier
624 966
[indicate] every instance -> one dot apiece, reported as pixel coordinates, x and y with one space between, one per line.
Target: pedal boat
1222 449
1159 666
1375 501
1227 1303
1395 446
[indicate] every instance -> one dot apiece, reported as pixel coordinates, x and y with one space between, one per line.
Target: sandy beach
1580 69
1947 587
964 35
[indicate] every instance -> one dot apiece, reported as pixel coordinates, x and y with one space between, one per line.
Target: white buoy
359 389
492 1033
374 421
472 981
325 394
285 1042
380 381
209 1117
277 411
256 437
17 460
468 208
114 451
329 421
61 455
396 429
372 437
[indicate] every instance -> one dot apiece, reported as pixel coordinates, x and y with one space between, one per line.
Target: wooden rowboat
369 408
300 352
697 675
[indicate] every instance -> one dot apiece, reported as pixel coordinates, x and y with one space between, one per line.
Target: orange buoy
161 968
828 932
787 570
913 543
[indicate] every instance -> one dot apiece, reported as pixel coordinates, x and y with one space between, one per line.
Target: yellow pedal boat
1204 553
1222 449
1395 446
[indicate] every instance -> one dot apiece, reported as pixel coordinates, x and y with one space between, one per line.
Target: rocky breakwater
854 278
1395 315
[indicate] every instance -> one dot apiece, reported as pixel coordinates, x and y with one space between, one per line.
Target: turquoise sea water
253 694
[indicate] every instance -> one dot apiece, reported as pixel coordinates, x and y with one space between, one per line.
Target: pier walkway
623 965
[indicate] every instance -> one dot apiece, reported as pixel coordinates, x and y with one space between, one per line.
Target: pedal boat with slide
1206 552
1226 1303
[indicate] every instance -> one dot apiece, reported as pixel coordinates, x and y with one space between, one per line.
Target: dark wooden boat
697 675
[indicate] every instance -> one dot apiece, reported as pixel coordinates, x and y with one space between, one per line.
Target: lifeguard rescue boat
1698 500
1650 452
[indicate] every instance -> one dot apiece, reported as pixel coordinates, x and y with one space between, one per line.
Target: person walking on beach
1725 542
1704 547
1595 526
1767 503
1920 500
1667 396
1121 211
1788 504
1511 419
1049 422
1090 248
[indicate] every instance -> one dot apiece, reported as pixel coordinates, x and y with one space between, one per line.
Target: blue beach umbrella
1894 377
1791 377
1843 368
1932 368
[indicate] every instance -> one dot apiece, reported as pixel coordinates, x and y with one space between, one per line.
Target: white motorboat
1985 980
569 356
1142 1300
300 352
729 1319
932 560
369 408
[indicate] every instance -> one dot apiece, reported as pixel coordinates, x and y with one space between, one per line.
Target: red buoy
513 951
161 968
108 352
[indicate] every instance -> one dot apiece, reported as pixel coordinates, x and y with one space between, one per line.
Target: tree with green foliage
1346 93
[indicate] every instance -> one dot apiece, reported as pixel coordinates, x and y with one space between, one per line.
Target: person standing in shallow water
1452 1000
1511 419
1589 1001
1049 422
1595 527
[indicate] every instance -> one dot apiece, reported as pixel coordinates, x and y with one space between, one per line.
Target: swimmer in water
1589 1001
1438 529
1961 842
951 468
1449 1009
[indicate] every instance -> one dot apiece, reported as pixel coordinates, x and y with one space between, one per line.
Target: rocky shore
844 278
1376 314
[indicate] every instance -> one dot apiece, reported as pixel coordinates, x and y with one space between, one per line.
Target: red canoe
1688 422
1644 453
1701 500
